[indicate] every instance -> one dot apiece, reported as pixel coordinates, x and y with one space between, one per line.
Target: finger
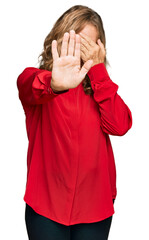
64 44
77 47
99 41
71 42
88 39
85 44
83 56
54 50
101 44
83 48
85 68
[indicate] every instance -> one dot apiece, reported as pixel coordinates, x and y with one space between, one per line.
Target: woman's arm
116 117
34 86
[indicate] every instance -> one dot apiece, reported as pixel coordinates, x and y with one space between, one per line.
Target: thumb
100 44
86 67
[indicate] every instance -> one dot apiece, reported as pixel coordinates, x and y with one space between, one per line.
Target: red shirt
71 173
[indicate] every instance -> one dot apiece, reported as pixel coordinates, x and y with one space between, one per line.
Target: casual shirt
71 172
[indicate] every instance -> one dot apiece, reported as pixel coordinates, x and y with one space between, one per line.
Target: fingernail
72 30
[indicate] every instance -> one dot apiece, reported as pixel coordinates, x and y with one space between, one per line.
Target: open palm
66 72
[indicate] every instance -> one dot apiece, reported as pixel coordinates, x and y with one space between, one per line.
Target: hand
91 50
66 72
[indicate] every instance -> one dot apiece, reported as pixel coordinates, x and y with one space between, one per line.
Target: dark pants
42 228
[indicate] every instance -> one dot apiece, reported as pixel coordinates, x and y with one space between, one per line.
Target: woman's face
90 31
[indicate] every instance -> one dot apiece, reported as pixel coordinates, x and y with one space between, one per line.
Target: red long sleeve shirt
71 173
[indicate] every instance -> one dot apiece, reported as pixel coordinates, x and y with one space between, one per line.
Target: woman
71 107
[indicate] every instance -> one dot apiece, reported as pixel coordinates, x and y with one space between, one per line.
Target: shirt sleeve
34 86
116 117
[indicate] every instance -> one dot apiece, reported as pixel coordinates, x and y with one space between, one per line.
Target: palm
66 70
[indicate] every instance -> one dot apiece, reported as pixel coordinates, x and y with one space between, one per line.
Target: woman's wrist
53 89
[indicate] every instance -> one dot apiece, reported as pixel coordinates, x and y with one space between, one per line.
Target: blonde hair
75 18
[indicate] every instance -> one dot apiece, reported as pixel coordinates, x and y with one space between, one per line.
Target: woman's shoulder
30 71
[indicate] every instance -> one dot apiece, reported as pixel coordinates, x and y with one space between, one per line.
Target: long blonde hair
75 18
